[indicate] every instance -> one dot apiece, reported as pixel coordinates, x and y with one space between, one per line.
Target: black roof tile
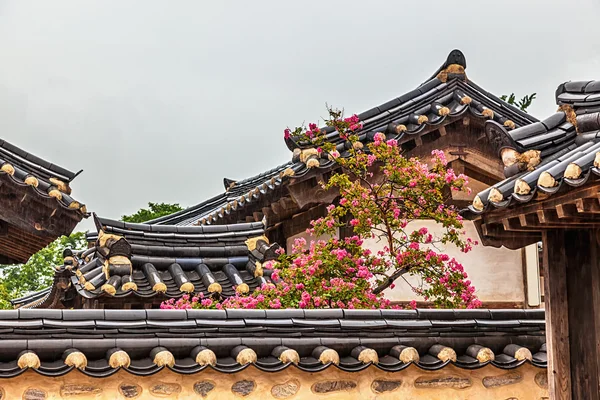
323 313
198 259
559 151
26 165
562 143
141 351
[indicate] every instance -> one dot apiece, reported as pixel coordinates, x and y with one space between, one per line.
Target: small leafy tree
154 210
523 104
381 193
20 279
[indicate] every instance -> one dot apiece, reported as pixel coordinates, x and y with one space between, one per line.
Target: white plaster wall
497 274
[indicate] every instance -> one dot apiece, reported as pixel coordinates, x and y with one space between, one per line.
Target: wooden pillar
571 278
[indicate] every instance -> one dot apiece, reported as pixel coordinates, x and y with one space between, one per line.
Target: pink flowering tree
383 196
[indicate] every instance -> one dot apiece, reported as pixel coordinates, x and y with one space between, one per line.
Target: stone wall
451 383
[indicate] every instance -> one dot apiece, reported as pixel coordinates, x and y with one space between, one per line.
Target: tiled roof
579 94
46 179
569 145
99 342
237 195
150 260
448 94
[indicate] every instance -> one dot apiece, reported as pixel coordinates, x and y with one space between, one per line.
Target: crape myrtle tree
383 195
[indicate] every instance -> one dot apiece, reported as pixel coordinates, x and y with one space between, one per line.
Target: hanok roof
149 261
447 96
229 341
237 195
569 145
36 205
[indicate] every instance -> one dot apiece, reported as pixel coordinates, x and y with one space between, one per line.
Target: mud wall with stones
451 383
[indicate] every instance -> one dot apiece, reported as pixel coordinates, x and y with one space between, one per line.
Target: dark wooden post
571 276
557 316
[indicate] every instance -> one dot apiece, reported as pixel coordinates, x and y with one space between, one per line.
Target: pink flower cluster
353 122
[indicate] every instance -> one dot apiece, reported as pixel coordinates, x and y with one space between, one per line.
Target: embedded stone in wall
243 388
34 394
286 389
382 386
541 378
333 386
130 390
77 389
442 382
164 389
509 378
203 388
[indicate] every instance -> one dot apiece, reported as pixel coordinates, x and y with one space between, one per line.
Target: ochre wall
451 383
497 274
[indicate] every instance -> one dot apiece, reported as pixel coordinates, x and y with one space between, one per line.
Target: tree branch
388 282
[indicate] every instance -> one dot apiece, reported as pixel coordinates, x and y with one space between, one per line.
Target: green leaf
523 104
21 279
154 210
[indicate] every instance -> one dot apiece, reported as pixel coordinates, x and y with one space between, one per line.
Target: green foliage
523 104
20 279
4 298
154 210
37 272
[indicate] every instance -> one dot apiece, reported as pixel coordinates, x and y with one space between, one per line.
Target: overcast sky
159 100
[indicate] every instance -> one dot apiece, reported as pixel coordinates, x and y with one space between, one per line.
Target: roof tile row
198 339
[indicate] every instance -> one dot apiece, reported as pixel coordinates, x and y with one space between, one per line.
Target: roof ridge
102 223
35 162
178 217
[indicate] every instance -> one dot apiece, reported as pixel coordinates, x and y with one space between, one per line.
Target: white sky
159 100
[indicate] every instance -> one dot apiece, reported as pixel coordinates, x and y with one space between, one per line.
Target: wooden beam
549 203
588 206
258 216
567 215
288 203
268 212
528 220
557 316
277 208
442 130
496 236
543 216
